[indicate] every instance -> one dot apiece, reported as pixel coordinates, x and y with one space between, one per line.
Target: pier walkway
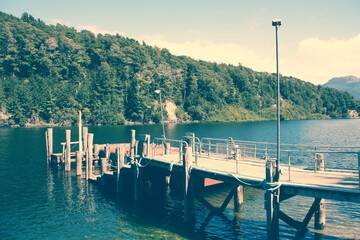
320 172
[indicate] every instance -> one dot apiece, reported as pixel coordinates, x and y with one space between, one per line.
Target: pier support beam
320 215
238 198
49 144
120 157
89 155
188 186
68 151
272 203
79 158
85 138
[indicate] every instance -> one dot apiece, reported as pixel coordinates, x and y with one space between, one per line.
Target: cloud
314 60
318 60
94 29
60 21
220 52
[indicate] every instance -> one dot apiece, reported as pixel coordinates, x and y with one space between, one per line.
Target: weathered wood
104 164
320 161
87 174
49 143
272 203
301 232
132 144
320 215
90 153
238 198
120 157
79 157
80 132
68 151
136 173
188 187
85 138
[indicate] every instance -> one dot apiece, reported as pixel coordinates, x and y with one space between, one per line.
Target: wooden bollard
320 216
107 151
120 157
188 186
79 157
167 147
68 151
49 144
238 198
320 161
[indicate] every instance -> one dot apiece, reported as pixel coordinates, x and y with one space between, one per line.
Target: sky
318 39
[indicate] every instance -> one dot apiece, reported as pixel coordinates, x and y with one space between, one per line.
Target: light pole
277 23
158 91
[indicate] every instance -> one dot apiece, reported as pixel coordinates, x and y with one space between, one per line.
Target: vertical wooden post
87 164
68 151
167 148
132 144
272 203
90 153
320 161
80 132
238 198
188 187
359 167
85 138
79 163
320 216
136 173
120 156
49 143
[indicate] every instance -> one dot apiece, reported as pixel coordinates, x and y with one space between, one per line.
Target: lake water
42 203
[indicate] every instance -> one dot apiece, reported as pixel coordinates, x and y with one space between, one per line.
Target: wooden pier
189 163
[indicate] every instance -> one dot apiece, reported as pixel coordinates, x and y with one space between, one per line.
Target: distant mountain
349 84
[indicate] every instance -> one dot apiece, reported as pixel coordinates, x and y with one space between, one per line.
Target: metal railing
165 146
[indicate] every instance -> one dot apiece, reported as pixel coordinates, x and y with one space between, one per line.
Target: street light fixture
277 23
158 91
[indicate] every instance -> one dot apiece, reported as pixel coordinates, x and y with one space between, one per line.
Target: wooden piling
80 132
49 144
90 153
85 138
238 198
132 144
79 163
320 216
68 151
103 165
272 203
188 187
120 157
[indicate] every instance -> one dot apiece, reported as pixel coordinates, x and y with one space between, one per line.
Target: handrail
167 145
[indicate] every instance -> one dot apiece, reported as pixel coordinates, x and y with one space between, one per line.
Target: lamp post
277 23
158 91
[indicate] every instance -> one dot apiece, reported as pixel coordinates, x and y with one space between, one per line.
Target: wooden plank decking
343 186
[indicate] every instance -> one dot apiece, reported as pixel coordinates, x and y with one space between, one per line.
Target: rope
269 187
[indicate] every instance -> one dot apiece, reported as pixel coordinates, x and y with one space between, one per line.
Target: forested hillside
49 72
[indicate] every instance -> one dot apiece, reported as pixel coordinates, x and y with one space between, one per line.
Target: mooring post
90 153
272 202
49 144
320 162
238 198
188 187
79 163
68 151
320 215
120 157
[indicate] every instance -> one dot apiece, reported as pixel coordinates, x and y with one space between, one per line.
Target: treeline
50 72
